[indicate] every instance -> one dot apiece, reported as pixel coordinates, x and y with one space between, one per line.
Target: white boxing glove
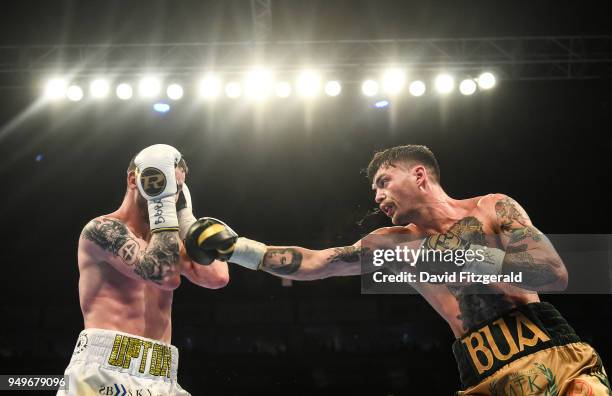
184 210
156 180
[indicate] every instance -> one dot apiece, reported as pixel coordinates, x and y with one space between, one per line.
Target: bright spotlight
282 89
74 93
308 84
55 88
174 91
258 84
393 81
369 87
416 88
210 87
333 88
233 90
444 83
99 88
467 86
124 91
486 80
149 87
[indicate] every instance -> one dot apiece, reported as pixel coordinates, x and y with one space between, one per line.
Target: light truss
512 58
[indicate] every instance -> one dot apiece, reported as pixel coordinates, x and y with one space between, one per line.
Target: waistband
521 331
127 353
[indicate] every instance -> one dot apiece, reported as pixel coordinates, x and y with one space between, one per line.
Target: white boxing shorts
108 362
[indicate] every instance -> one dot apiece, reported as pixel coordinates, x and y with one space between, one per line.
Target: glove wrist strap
162 214
248 253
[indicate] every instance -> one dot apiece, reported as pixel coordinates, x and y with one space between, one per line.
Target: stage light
149 87
258 84
486 80
174 91
161 107
233 90
393 81
381 104
209 87
467 86
369 87
417 88
55 88
99 88
282 89
333 88
74 93
444 84
124 91
308 84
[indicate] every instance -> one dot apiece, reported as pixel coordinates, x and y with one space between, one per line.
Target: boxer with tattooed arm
130 261
503 331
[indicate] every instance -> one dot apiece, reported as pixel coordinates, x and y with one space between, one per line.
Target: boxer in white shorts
130 261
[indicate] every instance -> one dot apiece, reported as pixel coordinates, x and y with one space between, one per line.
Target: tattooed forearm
283 261
303 264
160 258
348 254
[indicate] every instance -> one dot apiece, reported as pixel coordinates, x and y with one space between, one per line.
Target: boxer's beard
143 208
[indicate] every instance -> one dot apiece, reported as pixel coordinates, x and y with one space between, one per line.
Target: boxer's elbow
219 281
561 278
213 276
219 277
557 277
171 281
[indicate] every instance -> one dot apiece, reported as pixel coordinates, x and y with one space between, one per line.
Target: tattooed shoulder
112 236
510 212
514 221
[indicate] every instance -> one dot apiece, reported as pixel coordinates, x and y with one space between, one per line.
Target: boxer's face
398 192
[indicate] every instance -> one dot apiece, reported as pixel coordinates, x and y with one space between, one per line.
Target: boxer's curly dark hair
411 153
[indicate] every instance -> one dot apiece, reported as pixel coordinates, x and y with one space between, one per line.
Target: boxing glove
209 239
156 181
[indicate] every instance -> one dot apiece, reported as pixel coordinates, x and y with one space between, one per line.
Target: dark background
288 176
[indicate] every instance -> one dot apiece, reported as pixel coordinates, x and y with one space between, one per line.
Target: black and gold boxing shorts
530 350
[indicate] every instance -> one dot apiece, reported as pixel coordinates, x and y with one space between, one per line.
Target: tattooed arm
304 264
109 240
527 249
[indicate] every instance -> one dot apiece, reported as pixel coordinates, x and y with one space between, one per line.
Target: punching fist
209 239
156 180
